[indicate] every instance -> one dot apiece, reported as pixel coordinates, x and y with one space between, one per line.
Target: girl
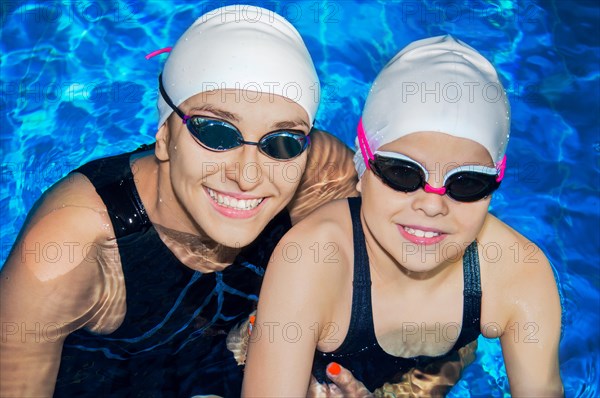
394 285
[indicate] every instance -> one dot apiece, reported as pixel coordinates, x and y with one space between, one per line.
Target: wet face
422 230
231 196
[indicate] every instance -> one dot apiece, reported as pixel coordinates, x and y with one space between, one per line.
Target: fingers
335 392
345 385
316 389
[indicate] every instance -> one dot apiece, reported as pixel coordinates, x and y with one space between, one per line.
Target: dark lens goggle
463 184
219 136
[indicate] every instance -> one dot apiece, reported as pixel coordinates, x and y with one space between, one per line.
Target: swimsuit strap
361 329
472 297
114 183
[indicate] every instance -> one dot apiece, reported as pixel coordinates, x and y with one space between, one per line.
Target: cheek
377 195
188 160
379 202
471 216
188 172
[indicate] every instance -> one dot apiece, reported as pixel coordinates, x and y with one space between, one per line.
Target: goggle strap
364 145
182 115
158 52
501 168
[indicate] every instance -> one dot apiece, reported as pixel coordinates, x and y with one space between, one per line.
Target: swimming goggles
220 136
468 183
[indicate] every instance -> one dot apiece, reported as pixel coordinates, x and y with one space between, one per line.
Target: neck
198 252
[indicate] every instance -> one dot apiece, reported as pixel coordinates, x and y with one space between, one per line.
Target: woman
163 250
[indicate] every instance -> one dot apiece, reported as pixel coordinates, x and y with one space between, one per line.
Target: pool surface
75 86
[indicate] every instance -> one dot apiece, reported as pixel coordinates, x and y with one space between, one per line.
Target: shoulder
327 224
70 210
57 253
329 159
516 273
323 139
314 255
329 175
508 252
327 217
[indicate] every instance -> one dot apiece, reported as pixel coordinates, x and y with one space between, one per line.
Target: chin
420 268
238 236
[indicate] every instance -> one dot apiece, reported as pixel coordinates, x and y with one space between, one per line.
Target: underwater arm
46 290
329 175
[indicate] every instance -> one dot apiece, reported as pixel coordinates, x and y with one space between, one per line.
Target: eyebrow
223 114
289 124
218 112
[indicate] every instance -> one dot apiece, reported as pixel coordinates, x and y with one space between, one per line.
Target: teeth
234 203
421 234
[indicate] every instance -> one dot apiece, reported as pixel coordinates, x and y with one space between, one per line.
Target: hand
344 385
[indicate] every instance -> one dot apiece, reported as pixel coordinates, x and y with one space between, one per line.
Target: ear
163 136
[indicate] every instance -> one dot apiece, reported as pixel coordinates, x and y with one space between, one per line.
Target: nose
430 201
245 167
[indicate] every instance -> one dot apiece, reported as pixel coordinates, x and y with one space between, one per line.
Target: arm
295 302
329 175
531 336
46 292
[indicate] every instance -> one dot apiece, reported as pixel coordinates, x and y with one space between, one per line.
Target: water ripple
75 86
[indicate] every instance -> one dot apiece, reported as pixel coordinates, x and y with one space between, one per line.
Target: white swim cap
437 84
240 47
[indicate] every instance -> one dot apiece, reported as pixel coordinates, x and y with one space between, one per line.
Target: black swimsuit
360 352
172 342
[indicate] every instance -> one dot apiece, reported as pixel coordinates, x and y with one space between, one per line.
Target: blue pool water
75 86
